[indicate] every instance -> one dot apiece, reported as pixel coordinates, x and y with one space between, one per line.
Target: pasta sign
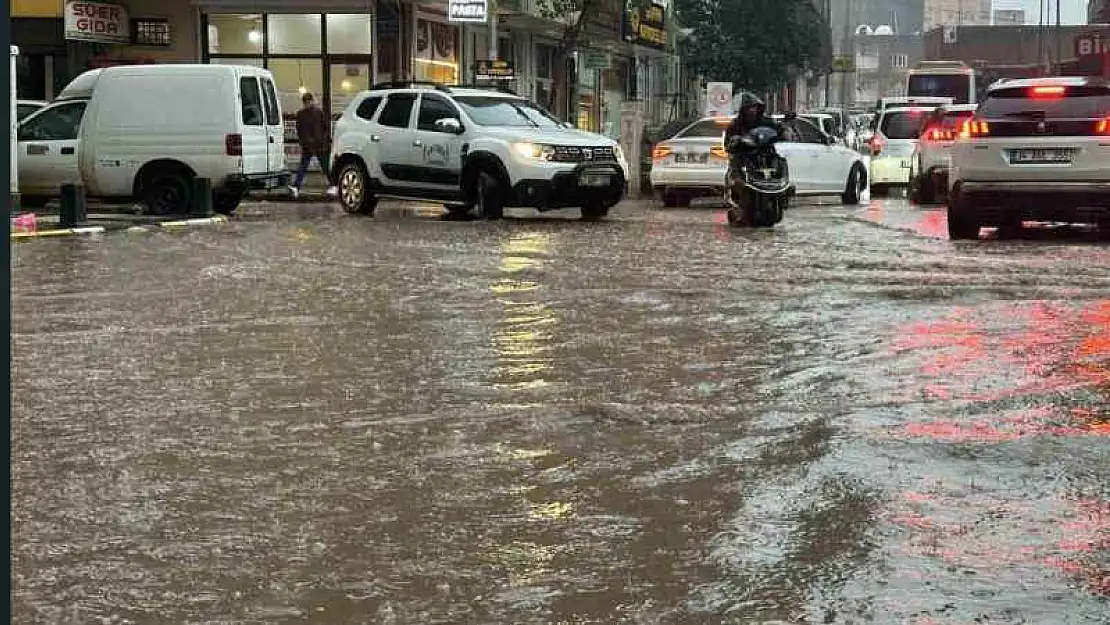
100 22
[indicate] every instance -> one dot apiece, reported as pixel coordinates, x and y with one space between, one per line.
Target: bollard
201 203
74 210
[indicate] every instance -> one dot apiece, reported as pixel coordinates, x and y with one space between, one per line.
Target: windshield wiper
521 112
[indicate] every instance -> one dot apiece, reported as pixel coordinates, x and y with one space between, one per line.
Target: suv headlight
538 151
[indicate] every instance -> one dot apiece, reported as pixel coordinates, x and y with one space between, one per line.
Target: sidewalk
312 191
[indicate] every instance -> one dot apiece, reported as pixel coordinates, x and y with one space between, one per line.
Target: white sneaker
294 192
332 191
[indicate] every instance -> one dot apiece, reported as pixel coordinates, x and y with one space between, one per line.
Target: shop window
294 33
251 100
235 34
293 78
349 33
432 109
347 80
437 52
234 60
397 111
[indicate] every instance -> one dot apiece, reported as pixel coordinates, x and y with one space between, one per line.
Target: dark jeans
306 157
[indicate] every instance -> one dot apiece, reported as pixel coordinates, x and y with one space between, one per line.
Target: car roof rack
408 84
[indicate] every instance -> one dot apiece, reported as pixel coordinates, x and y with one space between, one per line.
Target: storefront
436 52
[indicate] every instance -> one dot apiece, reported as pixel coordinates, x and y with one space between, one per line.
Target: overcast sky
1071 11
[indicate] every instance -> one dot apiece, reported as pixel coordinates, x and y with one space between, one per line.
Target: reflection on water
523 338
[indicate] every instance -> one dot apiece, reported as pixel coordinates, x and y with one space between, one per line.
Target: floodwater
308 417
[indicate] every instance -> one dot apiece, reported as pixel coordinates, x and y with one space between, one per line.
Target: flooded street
308 417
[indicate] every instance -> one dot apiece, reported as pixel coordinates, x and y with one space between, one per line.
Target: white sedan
693 163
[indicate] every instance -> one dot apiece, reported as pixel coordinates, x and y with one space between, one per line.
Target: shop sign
467 11
100 22
494 70
647 26
718 100
1091 44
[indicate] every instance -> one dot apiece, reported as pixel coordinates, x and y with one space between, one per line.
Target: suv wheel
963 223
354 190
488 196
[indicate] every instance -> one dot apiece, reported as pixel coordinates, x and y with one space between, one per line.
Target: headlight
618 152
538 151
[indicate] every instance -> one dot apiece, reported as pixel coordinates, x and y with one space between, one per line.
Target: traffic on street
304 415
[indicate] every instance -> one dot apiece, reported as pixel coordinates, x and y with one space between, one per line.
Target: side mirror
449 125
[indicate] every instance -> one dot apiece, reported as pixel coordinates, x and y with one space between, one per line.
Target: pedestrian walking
312 133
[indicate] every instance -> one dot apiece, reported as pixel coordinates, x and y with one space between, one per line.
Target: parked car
1035 150
146 132
932 156
693 163
474 149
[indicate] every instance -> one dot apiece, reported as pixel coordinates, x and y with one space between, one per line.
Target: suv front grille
573 154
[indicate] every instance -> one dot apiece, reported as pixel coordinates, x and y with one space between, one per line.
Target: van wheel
594 211
167 191
225 203
354 190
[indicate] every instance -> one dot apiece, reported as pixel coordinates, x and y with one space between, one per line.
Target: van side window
61 123
251 101
398 110
368 107
272 116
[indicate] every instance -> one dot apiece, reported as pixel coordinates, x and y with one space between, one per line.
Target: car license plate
1040 156
690 157
593 180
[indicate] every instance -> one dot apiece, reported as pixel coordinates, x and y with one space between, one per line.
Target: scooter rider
751 115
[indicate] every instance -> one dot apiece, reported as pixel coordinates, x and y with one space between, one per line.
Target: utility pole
492 10
1040 35
1059 52
828 74
847 47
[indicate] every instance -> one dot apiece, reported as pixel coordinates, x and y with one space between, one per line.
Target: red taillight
661 151
974 128
1103 127
233 144
1047 92
936 133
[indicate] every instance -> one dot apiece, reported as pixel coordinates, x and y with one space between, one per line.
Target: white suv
472 149
1036 150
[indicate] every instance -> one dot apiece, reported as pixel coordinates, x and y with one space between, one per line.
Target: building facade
1098 12
882 64
1008 17
1017 51
336 48
956 13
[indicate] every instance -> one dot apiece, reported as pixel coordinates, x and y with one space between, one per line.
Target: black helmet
747 98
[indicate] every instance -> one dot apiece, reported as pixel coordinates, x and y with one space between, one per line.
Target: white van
951 79
144 132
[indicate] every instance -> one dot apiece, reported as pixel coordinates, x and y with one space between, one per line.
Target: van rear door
275 127
254 144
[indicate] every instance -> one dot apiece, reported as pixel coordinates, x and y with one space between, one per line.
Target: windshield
495 111
955 86
901 124
705 129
